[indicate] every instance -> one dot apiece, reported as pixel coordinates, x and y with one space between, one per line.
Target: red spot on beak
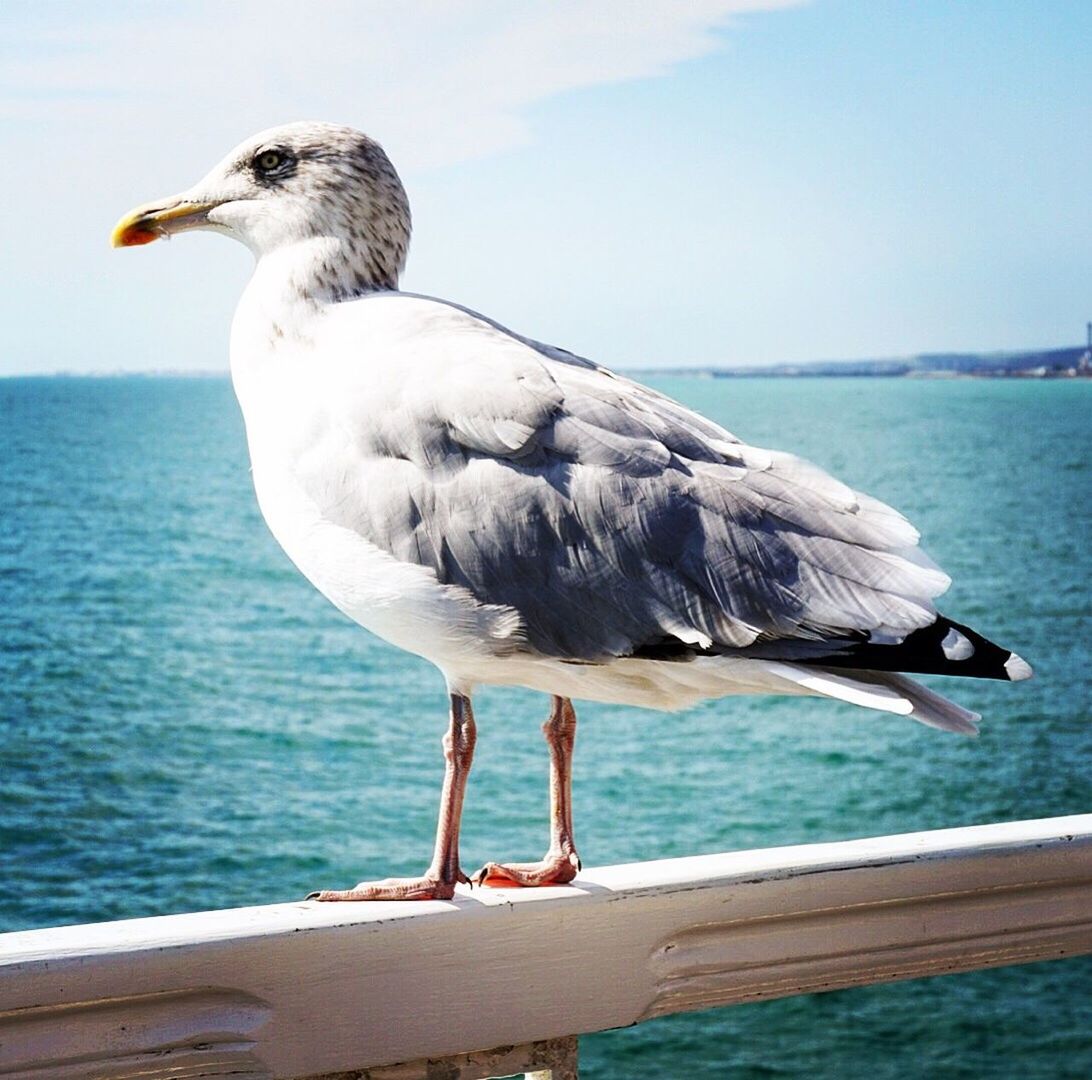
134 236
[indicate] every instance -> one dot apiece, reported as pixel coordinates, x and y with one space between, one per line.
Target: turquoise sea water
186 724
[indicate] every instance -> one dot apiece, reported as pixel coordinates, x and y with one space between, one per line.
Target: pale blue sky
647 183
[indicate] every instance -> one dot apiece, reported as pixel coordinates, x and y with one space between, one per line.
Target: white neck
320 269
291 286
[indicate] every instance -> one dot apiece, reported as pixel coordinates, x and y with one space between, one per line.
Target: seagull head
324 186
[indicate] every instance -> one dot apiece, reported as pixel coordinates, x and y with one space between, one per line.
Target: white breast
285 393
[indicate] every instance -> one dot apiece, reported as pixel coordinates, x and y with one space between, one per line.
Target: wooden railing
501 981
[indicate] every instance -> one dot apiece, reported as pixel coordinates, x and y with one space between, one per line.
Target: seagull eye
271 162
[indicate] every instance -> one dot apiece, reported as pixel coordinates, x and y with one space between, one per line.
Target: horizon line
757 368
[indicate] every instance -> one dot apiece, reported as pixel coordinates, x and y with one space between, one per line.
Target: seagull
520 516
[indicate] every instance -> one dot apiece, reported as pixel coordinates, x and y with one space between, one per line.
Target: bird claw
556 869
422 888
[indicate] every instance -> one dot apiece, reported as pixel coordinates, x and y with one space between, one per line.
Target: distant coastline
1064 363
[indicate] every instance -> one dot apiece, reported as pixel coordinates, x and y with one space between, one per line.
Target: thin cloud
106 105
438 82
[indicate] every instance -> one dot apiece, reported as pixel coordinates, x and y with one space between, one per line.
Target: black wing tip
944 647
986 660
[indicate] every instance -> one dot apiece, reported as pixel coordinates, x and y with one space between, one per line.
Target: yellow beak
154 220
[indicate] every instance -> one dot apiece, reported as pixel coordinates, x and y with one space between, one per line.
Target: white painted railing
498 981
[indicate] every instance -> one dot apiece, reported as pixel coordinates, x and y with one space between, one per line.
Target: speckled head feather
324 187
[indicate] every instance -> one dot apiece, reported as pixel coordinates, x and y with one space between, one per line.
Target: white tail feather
929 707
826 683
882 690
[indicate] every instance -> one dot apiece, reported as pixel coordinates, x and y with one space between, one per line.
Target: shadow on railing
409 991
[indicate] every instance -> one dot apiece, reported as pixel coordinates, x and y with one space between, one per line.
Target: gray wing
612 519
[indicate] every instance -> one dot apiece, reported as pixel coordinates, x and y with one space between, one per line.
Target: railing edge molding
293 990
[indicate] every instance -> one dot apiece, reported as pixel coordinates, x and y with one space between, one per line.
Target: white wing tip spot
956 646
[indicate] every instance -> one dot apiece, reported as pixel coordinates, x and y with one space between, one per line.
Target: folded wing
615 521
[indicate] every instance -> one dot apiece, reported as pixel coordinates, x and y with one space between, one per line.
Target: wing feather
611 518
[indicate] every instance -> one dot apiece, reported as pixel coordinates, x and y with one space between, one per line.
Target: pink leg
561 862
440 879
